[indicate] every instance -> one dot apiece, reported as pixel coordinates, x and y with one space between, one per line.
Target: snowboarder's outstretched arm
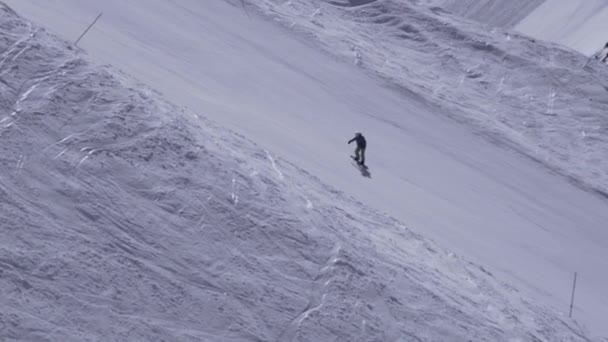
351 140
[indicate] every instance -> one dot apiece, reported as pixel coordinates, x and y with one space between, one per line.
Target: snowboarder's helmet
357 133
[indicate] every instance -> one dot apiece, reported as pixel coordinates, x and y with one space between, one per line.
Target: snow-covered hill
537 96
532 96
124 218
496 13
579 24
528 225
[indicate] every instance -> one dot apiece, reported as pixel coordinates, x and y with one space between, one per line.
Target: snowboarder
360 150
602 55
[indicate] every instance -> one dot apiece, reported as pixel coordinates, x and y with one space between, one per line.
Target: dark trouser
360 155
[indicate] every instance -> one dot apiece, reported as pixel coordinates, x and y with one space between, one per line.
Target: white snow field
125 219
131 219
579 24
497 13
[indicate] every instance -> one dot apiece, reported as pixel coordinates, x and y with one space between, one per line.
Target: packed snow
497 13
125 219
579 24
130 218
535 96
531 96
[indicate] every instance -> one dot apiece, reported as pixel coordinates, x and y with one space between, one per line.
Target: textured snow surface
579 24
496 13
124 219
536 96
541 99
470 189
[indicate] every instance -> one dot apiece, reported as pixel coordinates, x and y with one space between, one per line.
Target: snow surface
497 13
123 218
579 24
494 193
530 96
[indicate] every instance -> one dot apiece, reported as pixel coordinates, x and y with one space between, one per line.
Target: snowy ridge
578 24
497 13
125 218
533 96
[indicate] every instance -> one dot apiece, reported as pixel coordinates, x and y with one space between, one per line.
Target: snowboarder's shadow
362 168
364 171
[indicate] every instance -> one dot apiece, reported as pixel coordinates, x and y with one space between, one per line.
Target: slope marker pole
88 28
572 298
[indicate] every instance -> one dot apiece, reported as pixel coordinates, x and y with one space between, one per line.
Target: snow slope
578 24
497 13
531 96
470 189
125 218
530 226
535 96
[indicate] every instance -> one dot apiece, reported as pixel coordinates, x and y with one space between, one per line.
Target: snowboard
357 163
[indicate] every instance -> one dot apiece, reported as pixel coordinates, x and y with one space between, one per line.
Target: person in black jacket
360 150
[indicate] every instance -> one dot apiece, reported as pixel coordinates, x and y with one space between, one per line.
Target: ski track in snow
274 166
317 297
